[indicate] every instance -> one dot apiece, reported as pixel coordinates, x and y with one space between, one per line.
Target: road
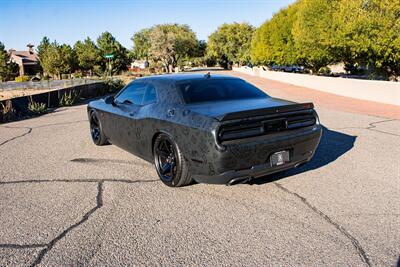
64 201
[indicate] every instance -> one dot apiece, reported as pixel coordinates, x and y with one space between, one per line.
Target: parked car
207 128
288 68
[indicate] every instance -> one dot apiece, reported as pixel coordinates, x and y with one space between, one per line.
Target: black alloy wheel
170 164
96 131
166 160
94 127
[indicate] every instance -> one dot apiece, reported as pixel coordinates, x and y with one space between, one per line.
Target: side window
132 94
150 95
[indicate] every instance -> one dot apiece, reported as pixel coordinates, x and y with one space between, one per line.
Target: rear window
207 90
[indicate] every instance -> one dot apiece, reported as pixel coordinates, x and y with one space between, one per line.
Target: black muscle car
207 128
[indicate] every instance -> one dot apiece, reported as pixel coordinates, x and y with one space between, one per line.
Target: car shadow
333 145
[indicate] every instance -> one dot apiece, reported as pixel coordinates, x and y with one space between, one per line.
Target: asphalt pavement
64 201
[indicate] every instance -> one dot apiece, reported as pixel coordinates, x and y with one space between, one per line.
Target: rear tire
96 130
171 166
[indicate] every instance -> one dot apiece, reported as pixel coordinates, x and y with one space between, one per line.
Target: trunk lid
231 110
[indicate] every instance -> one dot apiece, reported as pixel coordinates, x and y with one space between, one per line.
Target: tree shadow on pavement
332 145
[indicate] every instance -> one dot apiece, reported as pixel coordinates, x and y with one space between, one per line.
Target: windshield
207 90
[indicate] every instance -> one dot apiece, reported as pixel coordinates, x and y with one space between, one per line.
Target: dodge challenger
206 128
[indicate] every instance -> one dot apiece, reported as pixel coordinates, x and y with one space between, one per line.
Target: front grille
267 125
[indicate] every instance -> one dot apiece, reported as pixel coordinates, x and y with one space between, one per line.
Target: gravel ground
64 201
8 94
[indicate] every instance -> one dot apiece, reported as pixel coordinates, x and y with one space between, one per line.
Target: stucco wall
377 91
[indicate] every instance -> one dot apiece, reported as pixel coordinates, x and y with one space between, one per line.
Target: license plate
279 158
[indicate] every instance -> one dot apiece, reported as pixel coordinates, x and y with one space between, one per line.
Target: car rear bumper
251 160
233 177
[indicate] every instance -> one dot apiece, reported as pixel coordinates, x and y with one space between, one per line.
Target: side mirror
109 100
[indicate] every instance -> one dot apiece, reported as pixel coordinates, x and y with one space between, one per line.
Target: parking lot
64 201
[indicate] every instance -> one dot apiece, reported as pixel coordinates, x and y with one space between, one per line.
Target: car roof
185 77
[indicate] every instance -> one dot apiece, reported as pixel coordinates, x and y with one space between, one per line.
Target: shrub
7 111
113 85
325 71
70 98
77 75
65 76
20 79
36 108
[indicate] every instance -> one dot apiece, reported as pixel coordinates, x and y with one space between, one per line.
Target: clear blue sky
27 21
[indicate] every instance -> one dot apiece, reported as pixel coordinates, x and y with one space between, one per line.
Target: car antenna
207 75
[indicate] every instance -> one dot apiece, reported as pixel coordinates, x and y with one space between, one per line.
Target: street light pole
109 65
109 57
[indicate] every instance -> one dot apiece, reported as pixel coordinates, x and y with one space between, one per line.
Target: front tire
170 164
96 131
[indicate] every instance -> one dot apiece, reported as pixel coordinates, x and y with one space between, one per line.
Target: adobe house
27 61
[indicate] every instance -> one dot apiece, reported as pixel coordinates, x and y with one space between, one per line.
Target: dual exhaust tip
246 179
239 180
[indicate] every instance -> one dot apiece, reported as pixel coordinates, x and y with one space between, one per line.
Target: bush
70 98
21 79
113 85
7 111
65 76
325 71
77 75
36 108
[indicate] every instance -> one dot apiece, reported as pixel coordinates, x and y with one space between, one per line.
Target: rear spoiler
265 111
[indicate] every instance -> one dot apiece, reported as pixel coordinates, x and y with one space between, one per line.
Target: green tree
230 44
170 43
196 57
107 44
87 55
368 34
141 44
69 59
273 41
44 44
58 59
41 49
316 33
313 32
8 69
199 57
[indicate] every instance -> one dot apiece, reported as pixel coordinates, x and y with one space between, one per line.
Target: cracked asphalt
64 201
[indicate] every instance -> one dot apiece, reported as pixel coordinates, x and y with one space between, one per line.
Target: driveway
64 201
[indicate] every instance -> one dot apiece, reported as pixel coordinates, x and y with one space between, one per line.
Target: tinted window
218 90
132 94
150 95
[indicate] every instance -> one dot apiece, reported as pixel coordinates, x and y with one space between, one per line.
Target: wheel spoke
162 154
95 133
95 120
165 168
173 168
166 147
